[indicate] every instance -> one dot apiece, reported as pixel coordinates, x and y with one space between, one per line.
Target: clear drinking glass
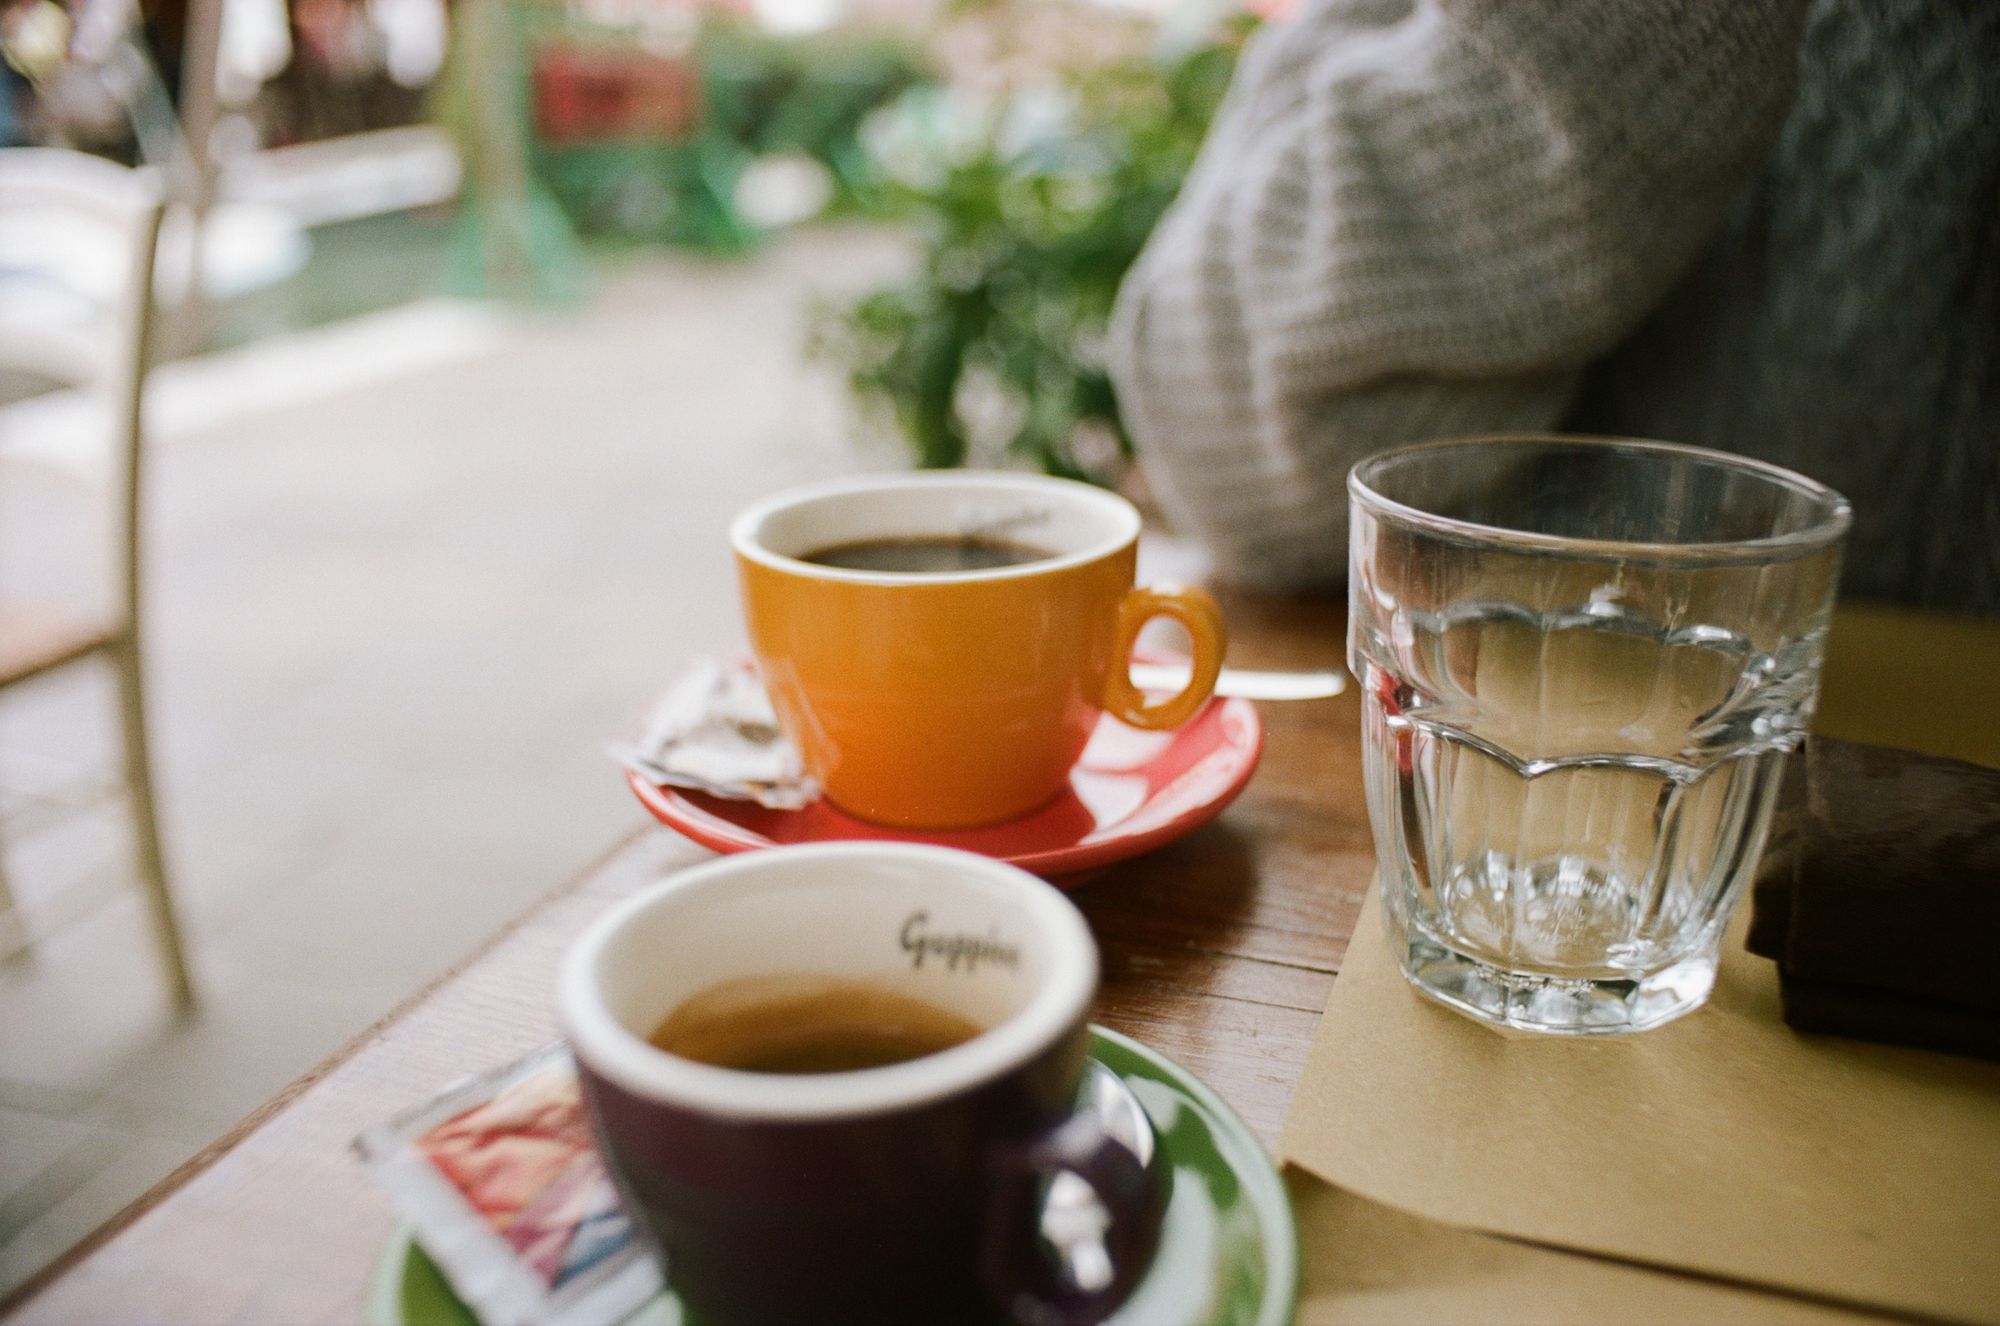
1583 662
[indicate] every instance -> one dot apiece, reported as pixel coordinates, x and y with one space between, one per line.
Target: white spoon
1249 683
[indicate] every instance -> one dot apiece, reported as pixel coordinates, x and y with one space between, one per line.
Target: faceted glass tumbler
1583 663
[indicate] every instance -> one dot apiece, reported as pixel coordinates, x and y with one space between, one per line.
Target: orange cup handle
1194 610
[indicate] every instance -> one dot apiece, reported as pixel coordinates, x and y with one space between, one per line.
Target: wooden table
1219 950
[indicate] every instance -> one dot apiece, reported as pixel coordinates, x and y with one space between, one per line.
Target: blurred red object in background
591 94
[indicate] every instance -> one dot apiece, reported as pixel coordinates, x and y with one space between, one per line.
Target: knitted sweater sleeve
1418 219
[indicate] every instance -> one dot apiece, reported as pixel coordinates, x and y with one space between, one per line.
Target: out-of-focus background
467 319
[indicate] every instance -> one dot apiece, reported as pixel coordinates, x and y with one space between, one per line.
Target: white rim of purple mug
1060 1002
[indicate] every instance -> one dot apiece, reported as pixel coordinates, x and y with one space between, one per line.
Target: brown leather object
1879 897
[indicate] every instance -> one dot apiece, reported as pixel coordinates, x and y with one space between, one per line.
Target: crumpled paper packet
713 730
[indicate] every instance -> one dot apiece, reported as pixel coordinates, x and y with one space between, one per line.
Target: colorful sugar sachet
500 1181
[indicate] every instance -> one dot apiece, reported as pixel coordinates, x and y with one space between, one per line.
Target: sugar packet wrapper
500 1180
713 730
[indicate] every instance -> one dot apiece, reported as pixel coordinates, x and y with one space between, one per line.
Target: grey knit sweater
1752 224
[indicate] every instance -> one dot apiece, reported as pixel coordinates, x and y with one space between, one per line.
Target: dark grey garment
1846 320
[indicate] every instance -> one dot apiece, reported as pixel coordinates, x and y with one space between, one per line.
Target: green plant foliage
1030 212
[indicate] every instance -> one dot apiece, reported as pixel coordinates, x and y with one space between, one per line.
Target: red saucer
1130 792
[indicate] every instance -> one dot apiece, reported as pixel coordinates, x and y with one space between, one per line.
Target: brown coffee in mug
934 554
903 1194
807 1024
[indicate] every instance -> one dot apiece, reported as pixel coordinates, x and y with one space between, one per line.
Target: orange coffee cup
947 699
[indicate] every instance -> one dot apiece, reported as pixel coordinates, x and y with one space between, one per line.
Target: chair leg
13 931
145 821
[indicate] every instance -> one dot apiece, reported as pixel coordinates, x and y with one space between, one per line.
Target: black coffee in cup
803 1024
935 553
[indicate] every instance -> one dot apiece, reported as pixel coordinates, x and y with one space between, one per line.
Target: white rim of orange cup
747 531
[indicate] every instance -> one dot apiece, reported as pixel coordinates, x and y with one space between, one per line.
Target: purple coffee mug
908 1193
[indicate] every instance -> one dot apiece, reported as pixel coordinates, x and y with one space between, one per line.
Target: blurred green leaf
1026 234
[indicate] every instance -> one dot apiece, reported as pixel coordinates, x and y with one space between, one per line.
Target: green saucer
1228 1253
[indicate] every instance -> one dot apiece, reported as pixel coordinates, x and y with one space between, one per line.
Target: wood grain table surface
1219 950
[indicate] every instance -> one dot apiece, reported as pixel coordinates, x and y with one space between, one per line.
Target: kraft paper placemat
1904 677
1366 1264
1724 1144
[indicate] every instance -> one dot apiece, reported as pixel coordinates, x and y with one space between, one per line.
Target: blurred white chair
47 197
